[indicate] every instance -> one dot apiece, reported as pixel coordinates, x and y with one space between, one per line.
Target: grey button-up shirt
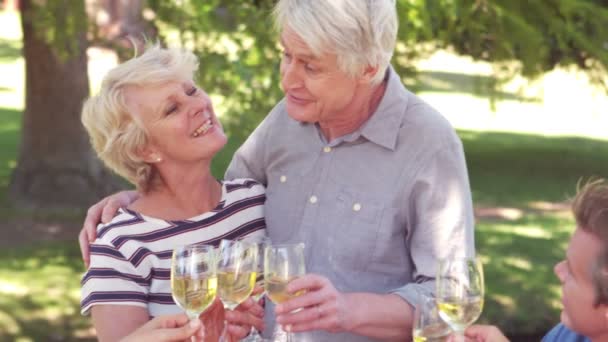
376 208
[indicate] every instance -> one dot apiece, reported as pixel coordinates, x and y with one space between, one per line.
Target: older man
372 179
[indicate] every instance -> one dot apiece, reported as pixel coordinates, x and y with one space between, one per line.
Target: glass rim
464 257
194 246
284 245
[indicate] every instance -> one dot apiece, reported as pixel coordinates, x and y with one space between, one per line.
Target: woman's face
179 121
316 89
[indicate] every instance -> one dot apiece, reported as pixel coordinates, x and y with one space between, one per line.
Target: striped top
131 258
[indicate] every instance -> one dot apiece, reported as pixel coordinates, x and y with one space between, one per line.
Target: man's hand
323 307
103 211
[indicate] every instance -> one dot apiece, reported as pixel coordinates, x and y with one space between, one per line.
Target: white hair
360 32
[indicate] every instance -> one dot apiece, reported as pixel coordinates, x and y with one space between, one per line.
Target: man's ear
369 72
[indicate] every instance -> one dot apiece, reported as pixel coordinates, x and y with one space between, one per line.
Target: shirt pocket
354 230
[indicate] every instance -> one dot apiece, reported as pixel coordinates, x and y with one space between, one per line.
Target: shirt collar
382 128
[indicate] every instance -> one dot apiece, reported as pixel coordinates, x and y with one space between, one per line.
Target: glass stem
458 336
224 337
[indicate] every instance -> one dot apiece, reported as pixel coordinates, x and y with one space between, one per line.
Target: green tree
237 45
540 34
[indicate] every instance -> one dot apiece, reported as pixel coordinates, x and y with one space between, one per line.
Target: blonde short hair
360 32
116 137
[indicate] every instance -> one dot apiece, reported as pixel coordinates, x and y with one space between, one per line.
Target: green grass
521 174
10 121
39 294
509 169
522 293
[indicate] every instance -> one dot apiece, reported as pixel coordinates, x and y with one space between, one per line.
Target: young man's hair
590 208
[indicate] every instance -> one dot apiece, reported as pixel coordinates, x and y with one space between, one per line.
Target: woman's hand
323 307
485 333
168 328
240 321
102 211
247 314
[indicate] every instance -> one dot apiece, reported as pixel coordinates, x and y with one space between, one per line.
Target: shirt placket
317 215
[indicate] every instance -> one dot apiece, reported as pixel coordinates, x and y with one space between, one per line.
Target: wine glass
460 291
428 325
262 242
237 265
282 264
254 335
193 278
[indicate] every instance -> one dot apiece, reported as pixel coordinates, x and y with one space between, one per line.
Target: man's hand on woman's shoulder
101 212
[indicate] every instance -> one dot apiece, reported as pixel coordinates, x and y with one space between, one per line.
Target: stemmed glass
282 264
428 325
254 335
237 265
193 278
460 291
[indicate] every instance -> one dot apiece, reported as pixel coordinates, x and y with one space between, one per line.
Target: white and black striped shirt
131 258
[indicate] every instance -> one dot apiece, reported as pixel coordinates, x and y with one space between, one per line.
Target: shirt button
357 207
283 179
313 199
326 149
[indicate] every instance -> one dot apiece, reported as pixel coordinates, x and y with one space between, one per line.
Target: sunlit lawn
522 169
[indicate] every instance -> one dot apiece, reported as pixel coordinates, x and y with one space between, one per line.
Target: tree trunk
56 167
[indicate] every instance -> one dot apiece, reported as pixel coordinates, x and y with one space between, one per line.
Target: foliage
541 35
237 50
239 57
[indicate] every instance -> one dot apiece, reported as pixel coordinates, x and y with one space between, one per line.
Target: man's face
316 89
578 294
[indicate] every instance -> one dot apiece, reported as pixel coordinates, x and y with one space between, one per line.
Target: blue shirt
562 334
376 208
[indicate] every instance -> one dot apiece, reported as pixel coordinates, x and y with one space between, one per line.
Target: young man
583 275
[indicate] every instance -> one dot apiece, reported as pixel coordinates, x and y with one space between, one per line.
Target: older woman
152 125
368 175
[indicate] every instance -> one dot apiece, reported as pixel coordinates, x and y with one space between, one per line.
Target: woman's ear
150 156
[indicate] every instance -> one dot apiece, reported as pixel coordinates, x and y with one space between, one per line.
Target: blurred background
523 82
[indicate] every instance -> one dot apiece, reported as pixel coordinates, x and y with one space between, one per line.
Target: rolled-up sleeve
441 217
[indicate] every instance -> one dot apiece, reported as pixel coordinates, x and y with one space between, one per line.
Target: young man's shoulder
562 333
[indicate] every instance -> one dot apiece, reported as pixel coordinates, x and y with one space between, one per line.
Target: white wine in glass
282 264
460 292
235 286
193 278
237 265
276 289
